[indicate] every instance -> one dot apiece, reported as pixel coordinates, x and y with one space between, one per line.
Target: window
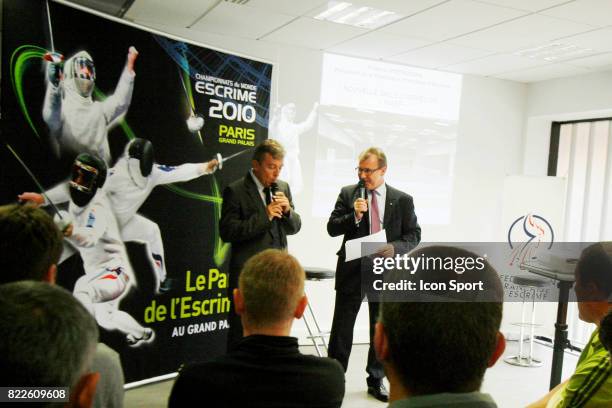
581 152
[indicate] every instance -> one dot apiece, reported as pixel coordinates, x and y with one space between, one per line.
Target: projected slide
411 113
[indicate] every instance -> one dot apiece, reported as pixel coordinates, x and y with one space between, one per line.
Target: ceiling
495 38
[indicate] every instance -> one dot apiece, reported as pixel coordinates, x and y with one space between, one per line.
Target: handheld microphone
273 189
363 193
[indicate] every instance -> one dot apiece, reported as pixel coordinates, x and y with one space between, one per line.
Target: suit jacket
400 224
245 224
262 371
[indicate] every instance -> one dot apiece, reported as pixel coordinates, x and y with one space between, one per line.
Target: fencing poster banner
87 102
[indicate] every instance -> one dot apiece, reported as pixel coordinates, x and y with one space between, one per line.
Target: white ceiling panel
439 55
595 61
310 33
524 32
289 7
531 5
167 12
378 45
594 12
240 21
403 7
452 19
543 73
599 40
469 36
254 49
494 64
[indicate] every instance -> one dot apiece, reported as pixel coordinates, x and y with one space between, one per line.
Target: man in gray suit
257 214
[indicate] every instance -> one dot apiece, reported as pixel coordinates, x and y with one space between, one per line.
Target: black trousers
341 341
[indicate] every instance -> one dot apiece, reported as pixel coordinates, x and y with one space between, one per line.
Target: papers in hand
376 241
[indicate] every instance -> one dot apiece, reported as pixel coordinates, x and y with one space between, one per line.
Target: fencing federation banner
144 255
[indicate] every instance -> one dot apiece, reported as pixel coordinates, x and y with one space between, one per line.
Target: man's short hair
595 267
443 346
29 243
374 151
48 338
272 284
270 146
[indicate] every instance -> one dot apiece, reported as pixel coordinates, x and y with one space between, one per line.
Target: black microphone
363 193
273 189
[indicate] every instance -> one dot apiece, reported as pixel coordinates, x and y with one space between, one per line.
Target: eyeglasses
367 172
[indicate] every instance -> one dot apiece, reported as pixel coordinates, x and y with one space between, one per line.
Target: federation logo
528 234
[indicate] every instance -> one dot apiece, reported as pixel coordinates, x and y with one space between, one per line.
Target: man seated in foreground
435 347
30 248
47 339
266 368
591 383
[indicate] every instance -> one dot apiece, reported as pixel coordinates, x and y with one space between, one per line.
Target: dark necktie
268 195
275 231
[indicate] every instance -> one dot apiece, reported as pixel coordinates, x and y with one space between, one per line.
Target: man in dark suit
384 208
266 368
257 214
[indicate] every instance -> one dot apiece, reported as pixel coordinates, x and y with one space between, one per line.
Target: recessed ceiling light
555 52
342 12
334 9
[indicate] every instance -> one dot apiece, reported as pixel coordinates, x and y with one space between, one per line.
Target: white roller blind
584 158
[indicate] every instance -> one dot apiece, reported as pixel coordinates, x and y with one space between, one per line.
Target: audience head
270 291
30 244
47 339
594 282
430 347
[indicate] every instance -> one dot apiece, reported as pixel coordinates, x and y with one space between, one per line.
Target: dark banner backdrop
174 81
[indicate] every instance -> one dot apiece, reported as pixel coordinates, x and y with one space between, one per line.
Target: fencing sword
53 57
33 177
222 159
50 27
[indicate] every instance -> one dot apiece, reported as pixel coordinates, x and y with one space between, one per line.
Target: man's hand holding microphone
280 203
361 203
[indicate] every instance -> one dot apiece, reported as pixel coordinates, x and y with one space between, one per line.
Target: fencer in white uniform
75 120
130 183
287 132
90 226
